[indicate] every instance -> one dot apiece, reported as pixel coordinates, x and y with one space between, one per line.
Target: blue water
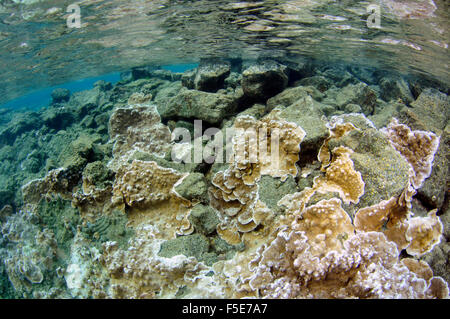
41 98
179 68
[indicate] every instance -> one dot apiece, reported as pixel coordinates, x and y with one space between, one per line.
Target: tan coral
419 267
235 191
138 127
94 203
423 233
366 267
138 271
296 202
341 177
274 145
438 288
336 131
287 268
388 217
57 182
148 191
325 224
417 147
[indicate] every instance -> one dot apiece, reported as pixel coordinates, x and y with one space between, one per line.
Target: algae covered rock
307 114
195 245
199 105
272 189
360 94
383 170
209 76
435 187
204 219
430 112
20 124
264 80
393 88
98 174
193 187
78 153
292 95
60 95
111 227
319 82
58 118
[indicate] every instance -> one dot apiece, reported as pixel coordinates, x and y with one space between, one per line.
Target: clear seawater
39 50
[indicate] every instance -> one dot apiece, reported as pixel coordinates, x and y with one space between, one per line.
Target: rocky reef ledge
101 197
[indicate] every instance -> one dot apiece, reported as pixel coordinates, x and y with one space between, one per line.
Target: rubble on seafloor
93 203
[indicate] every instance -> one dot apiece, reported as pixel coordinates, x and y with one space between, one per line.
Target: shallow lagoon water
101 196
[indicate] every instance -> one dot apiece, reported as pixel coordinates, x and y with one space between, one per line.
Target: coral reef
331 184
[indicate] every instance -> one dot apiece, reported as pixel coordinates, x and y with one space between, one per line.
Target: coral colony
220 183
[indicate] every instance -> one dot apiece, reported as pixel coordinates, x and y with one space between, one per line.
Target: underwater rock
78 153
195 245
5 211
384 112
364 74
430 112
60 95
360 94
84 102
103 85
298 69
58 118
97 174
192 245
199 105
435 187
233 80
204 219
21 123
291 95
307 114
395 88
165 92
384 171
193 187
208 77
338 74
319 82
187 79
138 127
136 74
165 75
264 80
272 190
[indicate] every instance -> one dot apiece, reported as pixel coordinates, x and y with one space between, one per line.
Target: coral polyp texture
320 194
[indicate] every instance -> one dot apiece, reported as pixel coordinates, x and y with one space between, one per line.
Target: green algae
204 219
62 219
206 249
195 245
272 189
111 227
194 187
98 174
